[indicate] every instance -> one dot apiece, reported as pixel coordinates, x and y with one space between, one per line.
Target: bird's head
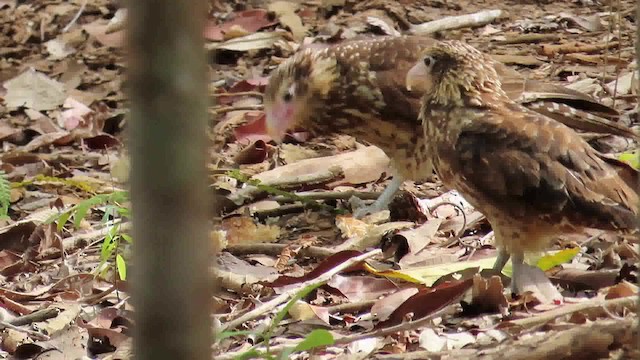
452 73
297 89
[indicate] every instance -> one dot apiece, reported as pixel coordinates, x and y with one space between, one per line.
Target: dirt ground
287 223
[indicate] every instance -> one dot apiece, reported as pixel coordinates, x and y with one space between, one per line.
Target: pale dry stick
529 38
239 93
277 249
76 17
225 109
330 195
456 22
284 297
591 306
350 307
33 334
117 22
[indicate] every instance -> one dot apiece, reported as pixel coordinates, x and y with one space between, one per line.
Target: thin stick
630 302
284 297
240 93
75 18
226 109
456 22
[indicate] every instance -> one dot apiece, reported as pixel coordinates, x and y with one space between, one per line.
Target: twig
225 109
550 50
529 39
284 297
630 302
350 307
456 22
33 334
36 316
240 93
275 187
75 18
330 195
276 249
279 211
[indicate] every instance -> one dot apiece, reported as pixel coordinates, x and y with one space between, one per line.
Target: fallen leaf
384 307
244 230
427 301
34 90
249 20
285 11
256 41
359 167
360 288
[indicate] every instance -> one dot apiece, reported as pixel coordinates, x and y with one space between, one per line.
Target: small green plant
5 195
113 210
315 339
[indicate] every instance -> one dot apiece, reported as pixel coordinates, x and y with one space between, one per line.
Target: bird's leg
531 278
501 260
517 262
383 200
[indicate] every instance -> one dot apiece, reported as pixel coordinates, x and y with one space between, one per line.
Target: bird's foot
361 210
530 278
382 203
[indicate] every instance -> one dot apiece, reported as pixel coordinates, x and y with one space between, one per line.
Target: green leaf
121 266
5 195
285 310
632 158
316 338
127 238
561 257
62 220
80 212
227 334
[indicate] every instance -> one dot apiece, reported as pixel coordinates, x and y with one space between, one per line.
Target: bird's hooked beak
279 119
417 79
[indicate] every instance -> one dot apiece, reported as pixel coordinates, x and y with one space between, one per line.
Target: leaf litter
62 116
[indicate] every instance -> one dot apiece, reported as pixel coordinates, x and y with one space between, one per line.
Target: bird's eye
428 61
287 96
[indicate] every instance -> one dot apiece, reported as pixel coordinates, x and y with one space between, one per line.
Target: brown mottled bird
532 176
357 88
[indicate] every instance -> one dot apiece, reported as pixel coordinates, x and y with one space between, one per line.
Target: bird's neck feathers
473 85
323 75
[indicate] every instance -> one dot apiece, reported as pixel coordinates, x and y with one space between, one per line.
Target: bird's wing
531 165
572 108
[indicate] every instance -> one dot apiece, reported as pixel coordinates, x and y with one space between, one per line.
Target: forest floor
64 243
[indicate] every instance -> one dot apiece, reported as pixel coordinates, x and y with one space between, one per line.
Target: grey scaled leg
531 278
383 200
501 260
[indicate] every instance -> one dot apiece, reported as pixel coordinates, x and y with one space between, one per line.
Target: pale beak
417 79
278 121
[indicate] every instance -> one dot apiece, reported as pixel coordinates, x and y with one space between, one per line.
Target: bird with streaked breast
357 88
530 175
